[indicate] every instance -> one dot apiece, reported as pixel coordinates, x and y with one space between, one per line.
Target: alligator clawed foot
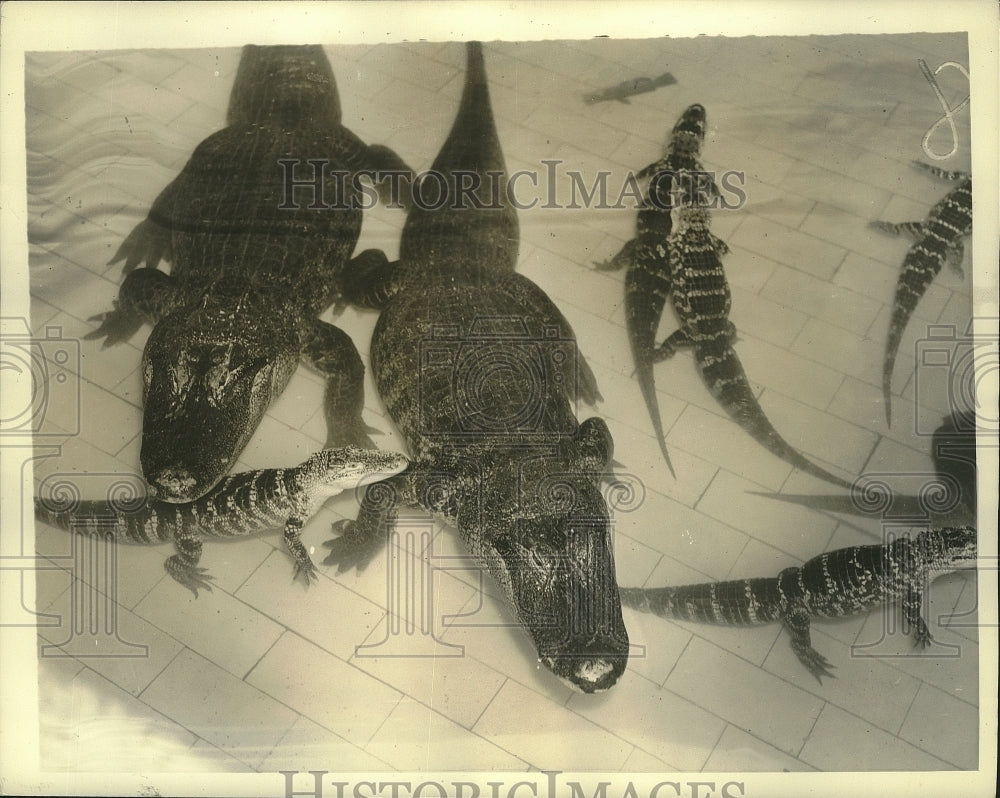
188 575
818 665
307 570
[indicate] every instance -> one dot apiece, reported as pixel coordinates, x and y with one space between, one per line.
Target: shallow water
824 131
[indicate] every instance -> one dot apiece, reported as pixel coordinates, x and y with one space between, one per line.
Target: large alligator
478 370
255 257
241 504
833 585
647 275
936 240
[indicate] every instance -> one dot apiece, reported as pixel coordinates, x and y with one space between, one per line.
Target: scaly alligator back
836 584
938 239
702 300
648 277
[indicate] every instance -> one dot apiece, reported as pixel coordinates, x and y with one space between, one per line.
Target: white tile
288 673
556 739
88 724
306 610
739 751
307 745
219 707
655 720
954 733
751 699
414 737
839 737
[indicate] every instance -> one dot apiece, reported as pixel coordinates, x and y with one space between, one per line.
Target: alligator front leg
912 603
145 296
797 621
183 566
331 352
293 542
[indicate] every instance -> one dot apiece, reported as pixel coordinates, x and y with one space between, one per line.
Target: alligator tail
919 269
725 377
646 293
133 523
743 602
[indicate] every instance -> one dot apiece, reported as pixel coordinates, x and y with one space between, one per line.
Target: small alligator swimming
937 239
254 260
648 276
629 88
833 585
702 301
478 369
241 504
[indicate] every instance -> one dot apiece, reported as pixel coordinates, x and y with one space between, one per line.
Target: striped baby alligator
833 585
702 300
255 259
241 504
648 278
938 239
479 371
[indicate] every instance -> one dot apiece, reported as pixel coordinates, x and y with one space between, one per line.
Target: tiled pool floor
262 674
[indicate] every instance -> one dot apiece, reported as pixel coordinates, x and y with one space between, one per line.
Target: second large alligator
478 370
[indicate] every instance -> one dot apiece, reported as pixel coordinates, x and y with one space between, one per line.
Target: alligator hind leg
331 352
293 542
144 296
183 566
797 621
913 229
671 343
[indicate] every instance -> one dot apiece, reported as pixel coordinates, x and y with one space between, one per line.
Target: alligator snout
592 667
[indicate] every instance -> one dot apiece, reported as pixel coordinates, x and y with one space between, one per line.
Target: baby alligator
242 504
833 585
